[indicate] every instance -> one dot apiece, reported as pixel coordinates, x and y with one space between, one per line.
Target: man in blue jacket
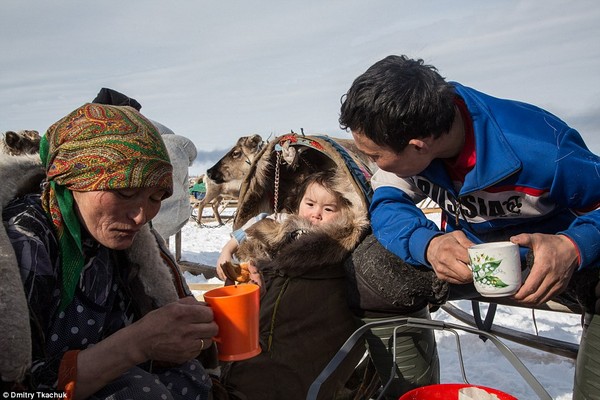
499 170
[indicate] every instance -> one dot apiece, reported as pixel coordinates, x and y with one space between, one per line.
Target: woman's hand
174 333
177 332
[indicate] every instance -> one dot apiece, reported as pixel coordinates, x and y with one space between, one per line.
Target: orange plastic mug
236 309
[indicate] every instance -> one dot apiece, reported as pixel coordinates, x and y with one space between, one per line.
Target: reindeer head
234 165
21 142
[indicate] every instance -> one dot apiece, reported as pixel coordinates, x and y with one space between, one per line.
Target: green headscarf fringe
69 239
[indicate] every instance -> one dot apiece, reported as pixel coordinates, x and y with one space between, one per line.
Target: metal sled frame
549 345
426 324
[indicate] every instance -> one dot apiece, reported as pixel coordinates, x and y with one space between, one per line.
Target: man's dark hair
398 99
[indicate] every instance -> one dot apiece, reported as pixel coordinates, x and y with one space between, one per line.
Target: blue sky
215 71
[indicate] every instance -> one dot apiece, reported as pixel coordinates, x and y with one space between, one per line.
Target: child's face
318 205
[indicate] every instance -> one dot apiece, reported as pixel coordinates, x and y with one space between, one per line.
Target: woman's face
114 217
318 205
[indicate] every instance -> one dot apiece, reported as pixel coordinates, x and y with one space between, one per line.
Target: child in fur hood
304 316
321 207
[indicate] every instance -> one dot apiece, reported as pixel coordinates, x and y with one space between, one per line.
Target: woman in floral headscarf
110 314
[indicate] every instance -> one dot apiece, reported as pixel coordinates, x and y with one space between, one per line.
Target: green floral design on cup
484 268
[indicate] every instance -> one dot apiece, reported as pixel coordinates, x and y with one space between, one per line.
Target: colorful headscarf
96 147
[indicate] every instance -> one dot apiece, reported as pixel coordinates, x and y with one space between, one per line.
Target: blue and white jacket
533 174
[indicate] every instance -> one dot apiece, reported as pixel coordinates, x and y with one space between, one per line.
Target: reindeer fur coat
304 314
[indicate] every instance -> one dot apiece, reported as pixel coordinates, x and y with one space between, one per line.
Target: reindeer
21 142
224 179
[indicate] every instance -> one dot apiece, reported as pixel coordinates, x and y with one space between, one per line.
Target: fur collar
294 247
316 248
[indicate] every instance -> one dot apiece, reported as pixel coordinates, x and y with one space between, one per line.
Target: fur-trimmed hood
287 160
295 247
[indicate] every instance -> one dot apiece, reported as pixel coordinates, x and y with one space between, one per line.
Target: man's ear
421 145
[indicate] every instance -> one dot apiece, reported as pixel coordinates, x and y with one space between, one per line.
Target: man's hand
449 257
555 261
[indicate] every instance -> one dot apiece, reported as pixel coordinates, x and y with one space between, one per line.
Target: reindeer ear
11 138
256 139
32 135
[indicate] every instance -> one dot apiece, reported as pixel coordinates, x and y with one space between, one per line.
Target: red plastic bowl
448 391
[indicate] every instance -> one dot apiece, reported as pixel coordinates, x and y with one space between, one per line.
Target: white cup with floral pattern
496 268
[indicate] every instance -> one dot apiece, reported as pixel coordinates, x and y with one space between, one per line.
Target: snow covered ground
484 365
